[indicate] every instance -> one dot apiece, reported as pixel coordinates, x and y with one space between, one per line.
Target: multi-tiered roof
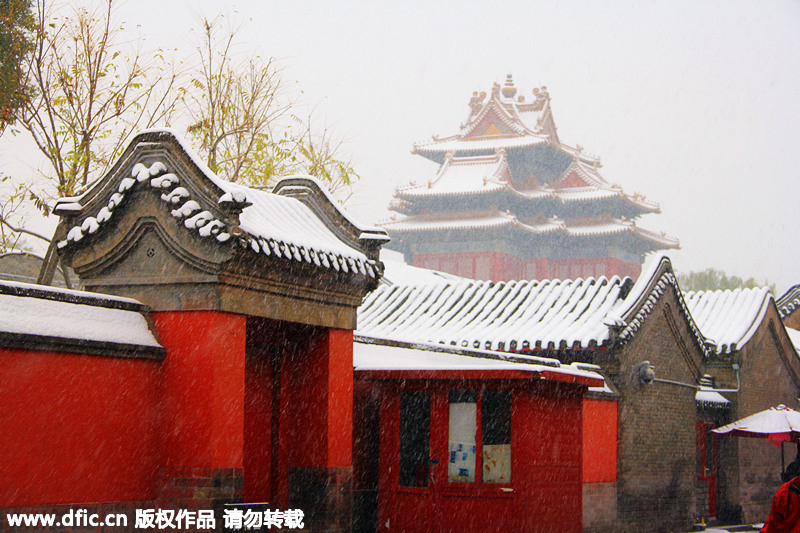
507 173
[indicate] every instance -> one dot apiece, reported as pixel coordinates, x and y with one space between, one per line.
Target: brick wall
767 364
656 468
599 507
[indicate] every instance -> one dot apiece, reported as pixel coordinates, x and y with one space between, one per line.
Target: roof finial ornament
476 102
542 97
509 90
495 90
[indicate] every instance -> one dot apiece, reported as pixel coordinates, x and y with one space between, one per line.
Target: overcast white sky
694 104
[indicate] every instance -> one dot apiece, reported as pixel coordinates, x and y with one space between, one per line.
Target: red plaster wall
76 428
498 266
545 467
599 441
203 388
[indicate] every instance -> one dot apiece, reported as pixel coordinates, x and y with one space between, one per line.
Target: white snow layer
505 316
28 315
705 395
396 272
794 335
729 318
367 356
273 224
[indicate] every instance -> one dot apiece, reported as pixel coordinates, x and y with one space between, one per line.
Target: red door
442 483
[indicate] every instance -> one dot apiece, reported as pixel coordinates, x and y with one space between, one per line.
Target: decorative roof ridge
762 297
627 316
789 301
581 156
502 113
223 225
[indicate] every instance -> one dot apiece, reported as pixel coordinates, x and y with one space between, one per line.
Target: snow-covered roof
498 219
396 272
277 223
462 176
710 398
371 355
728 318
460 146
505 316
43 317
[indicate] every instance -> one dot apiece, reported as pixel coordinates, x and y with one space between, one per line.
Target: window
494 442
415 438
461 436
496 426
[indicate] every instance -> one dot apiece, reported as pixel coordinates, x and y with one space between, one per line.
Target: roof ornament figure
476 102
496 90
542 97
509 90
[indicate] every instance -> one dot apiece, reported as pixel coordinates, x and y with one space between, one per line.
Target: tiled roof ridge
789 301
633 310
564 314
503 114
222 227
732 307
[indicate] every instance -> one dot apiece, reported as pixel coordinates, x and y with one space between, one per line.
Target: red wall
545 466
203 388
498 266
321 388
258 426
600 440
76 428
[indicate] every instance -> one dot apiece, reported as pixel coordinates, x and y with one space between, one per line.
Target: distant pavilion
510 201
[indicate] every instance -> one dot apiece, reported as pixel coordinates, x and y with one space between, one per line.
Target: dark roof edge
444 348
307 189
789 301
43 343
26 290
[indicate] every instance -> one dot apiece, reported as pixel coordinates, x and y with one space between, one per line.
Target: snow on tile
507 316
379 355
396 272
728 318
462 175
28 309
707 396
284 225
789 301
479 145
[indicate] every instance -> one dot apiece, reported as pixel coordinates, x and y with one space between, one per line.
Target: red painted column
321 407
202 409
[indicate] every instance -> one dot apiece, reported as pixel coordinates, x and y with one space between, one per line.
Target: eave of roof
396 360
789 302
40 318
728 318
266 223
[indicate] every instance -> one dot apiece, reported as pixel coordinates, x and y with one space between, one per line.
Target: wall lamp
644 374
